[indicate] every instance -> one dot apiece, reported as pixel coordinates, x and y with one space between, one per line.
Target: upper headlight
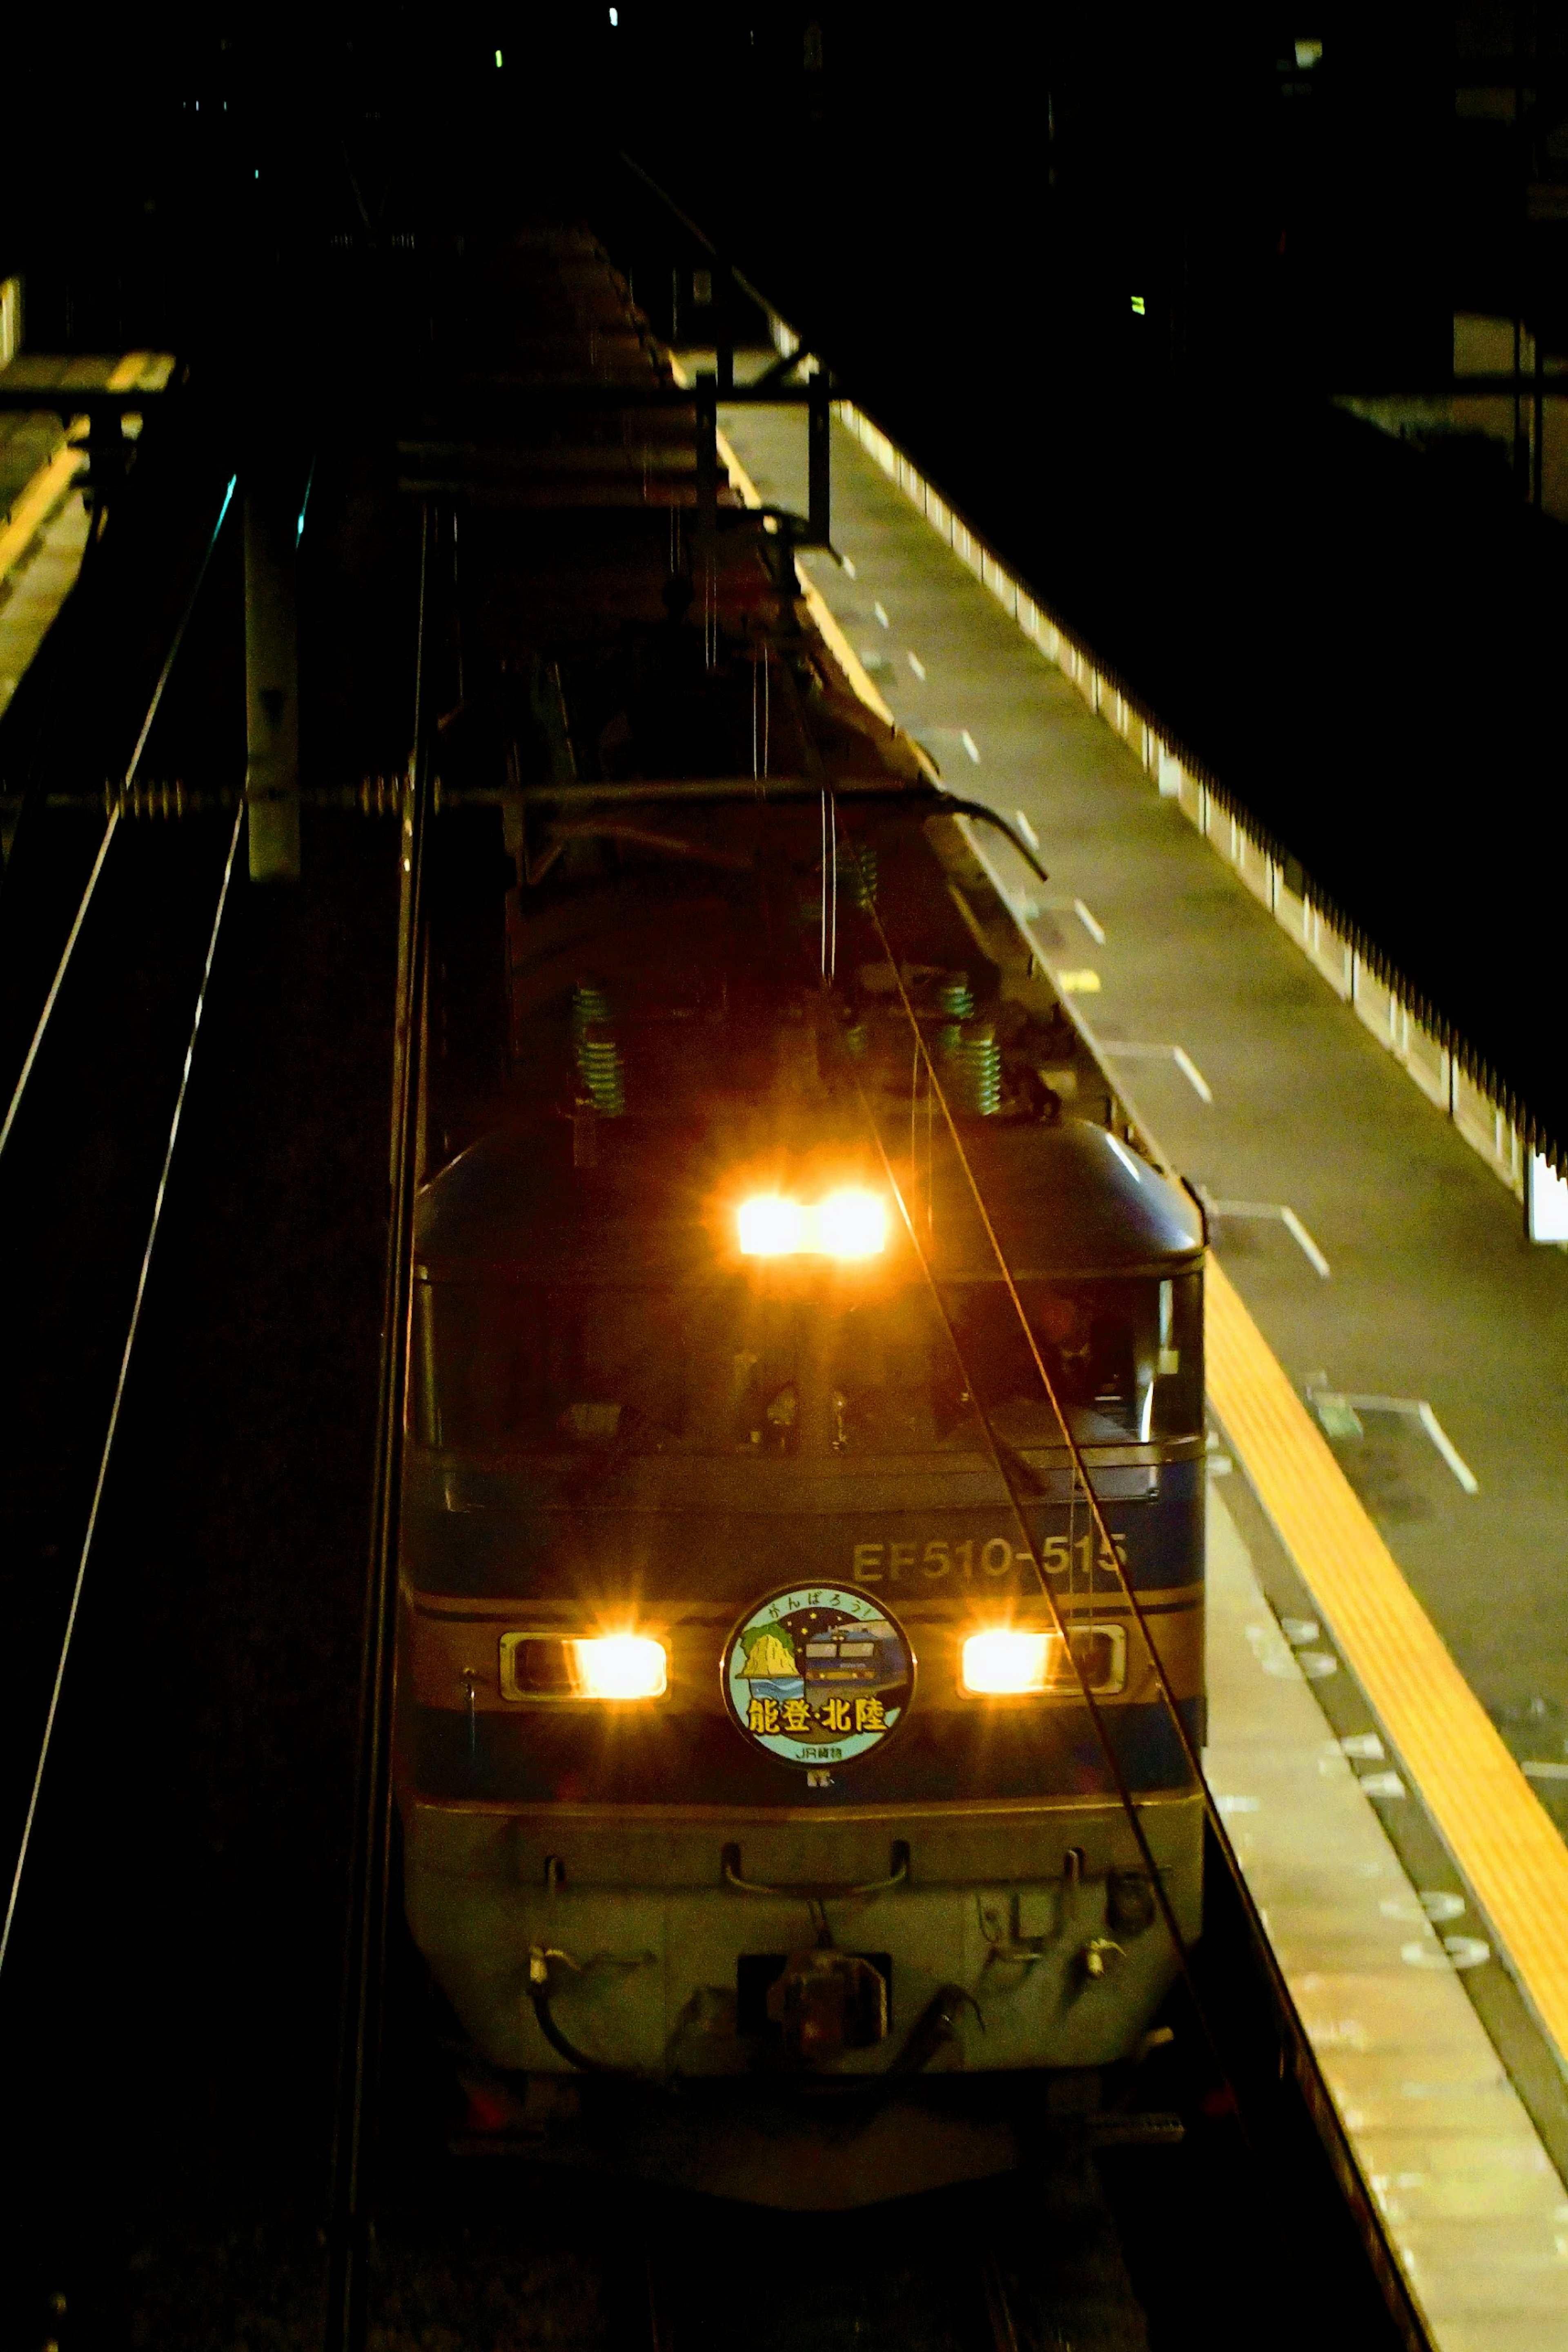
849 1223
771 1226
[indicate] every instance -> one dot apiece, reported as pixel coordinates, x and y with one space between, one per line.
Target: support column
271 682
707 516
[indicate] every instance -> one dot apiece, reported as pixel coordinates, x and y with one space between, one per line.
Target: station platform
43 521
1389 1638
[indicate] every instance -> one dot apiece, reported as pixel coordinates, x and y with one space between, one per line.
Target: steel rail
50 1000
999 2317
655 2298
363 2005
120 1387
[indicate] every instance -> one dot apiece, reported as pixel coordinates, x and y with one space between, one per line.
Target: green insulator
975 1072
863 876
599 1064
588 1003
955 997
857 1040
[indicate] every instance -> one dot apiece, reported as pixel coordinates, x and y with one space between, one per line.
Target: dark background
1362 639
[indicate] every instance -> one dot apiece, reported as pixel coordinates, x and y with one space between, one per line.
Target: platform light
850 1224
1002 1662
1545 1201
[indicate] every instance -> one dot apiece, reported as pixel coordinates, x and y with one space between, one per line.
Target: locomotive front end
774 1699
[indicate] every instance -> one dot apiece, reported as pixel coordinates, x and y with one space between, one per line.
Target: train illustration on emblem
818 1675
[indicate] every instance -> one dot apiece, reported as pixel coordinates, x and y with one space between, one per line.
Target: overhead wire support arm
953 805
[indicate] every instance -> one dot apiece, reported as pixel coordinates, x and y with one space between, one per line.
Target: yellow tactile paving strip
1513 1859
54 479
38 502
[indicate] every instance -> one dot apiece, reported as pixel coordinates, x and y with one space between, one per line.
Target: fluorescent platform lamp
1545 1201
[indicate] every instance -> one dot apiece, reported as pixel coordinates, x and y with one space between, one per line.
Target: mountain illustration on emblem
768 1656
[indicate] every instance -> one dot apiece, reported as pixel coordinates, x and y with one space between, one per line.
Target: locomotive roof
1066 1201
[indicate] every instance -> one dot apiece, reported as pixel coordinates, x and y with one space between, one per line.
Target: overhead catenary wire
1390 2275
106 1454
359 2035
1080 1476
999 1453
110 830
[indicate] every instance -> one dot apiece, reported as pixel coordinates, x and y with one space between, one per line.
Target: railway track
991 2269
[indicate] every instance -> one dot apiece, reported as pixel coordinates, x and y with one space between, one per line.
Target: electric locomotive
750 1597
773 1705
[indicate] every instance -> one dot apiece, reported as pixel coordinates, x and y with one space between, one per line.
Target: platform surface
1471 2203
44 520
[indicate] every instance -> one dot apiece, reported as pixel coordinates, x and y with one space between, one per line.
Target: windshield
740 1368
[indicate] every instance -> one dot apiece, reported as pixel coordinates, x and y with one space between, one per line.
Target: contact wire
110 830
1081 1477
120 1387
1124 1790
1075 1453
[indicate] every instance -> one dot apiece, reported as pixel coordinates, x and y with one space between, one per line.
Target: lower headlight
551 1666
619 1666
1003 1662
1015 1662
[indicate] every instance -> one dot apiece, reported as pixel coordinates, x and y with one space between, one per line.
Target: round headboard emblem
818 1675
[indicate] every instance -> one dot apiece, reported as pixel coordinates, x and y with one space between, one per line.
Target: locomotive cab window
727 1367
1124 1357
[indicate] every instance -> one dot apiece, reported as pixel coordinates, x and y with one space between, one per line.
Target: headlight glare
851 1224
771 1226
1003 1662
620 1666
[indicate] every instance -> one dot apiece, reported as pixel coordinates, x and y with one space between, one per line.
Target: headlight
1002 1661
613 1666
771 1226
1011 1662
620 1665
850 1224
